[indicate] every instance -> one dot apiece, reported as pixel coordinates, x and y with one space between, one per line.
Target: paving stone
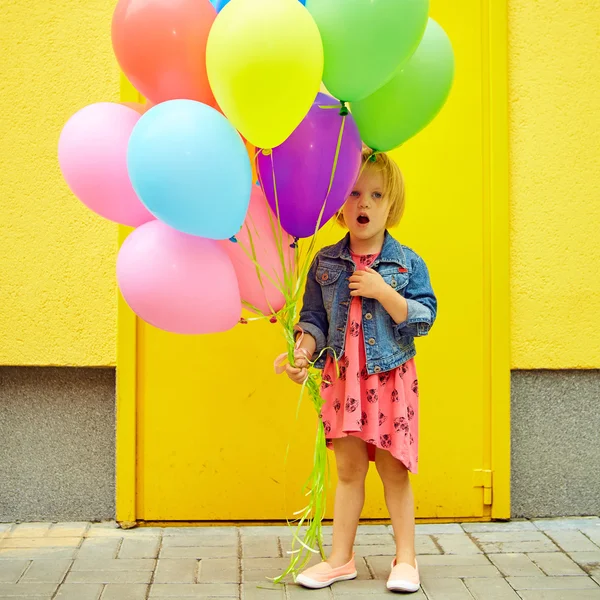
200 552
374 529
362 569
364 539
510 536
515 565
12 569
139 548
219 570
381 567
125 591
194 590
551 583
586 558
202 531
572 540
77 529
40 542
263 591
499 526
33 553
27 590
177 570
99 548
114 564
438 529
203 541
563 523
260 547
424 544
30 530
471 560
344 589
259 569
576 594
79 591
543 545
457 544
460 571
445 589
109 577
135 532
273 531
490 589
555 563
389 551
593 533
5 528
43 570
296 591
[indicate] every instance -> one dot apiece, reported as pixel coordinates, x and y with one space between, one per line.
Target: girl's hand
368 284
299 372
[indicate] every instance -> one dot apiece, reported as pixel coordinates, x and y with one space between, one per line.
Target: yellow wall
57 285
554 87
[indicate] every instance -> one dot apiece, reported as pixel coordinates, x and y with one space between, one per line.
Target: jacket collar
391 252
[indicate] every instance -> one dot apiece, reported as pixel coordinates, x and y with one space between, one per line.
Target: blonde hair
393 184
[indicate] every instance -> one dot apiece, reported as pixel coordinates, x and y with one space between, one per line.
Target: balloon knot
273 320
243 321
343 110
267 151
294 244
233 239
373 157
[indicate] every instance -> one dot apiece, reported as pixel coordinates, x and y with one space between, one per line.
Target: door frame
496 291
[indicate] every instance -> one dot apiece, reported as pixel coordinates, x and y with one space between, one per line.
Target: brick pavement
542 559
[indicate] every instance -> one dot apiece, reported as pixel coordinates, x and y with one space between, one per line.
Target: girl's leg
400 503
352 466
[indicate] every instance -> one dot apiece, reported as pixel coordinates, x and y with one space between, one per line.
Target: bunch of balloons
229 83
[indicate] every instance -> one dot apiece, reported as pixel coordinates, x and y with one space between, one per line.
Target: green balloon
412 99
366 41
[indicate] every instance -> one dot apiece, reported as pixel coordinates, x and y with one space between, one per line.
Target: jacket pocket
326 276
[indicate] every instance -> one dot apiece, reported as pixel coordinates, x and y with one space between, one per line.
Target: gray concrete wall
555 418
57 444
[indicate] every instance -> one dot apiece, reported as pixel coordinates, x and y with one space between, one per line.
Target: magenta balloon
303 165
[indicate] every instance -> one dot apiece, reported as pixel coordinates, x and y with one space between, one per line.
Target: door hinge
483 478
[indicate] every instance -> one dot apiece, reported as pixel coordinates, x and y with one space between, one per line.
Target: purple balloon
303 164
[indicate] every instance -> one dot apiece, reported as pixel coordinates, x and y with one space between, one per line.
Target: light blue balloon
190 168
219 4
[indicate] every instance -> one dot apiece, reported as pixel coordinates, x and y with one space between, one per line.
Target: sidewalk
533 560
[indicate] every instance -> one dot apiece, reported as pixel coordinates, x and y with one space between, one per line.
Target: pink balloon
263 292
178 282
92 152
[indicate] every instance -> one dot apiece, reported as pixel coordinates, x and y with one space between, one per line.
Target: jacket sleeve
422 303
313 316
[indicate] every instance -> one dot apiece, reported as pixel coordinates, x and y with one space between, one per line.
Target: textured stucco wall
57 283
554 86
57 432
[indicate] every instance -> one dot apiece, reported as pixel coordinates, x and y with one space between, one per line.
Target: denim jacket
327 299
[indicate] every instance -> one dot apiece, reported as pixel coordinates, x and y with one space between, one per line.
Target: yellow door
204 424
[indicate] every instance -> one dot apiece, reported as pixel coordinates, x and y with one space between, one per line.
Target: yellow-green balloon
366 41
265 62
412 99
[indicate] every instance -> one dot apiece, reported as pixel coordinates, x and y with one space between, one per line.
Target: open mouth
363 219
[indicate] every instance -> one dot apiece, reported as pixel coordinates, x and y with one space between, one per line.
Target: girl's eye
354 194
377 195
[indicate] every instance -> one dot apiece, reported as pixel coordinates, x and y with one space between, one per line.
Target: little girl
366 299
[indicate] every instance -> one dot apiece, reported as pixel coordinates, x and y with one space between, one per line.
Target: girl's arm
313 316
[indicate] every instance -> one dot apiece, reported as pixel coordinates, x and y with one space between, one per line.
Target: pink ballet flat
324 575
404 578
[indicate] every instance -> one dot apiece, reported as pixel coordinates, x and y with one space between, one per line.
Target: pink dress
381 409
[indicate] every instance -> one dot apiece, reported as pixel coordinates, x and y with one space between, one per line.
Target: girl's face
367 209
